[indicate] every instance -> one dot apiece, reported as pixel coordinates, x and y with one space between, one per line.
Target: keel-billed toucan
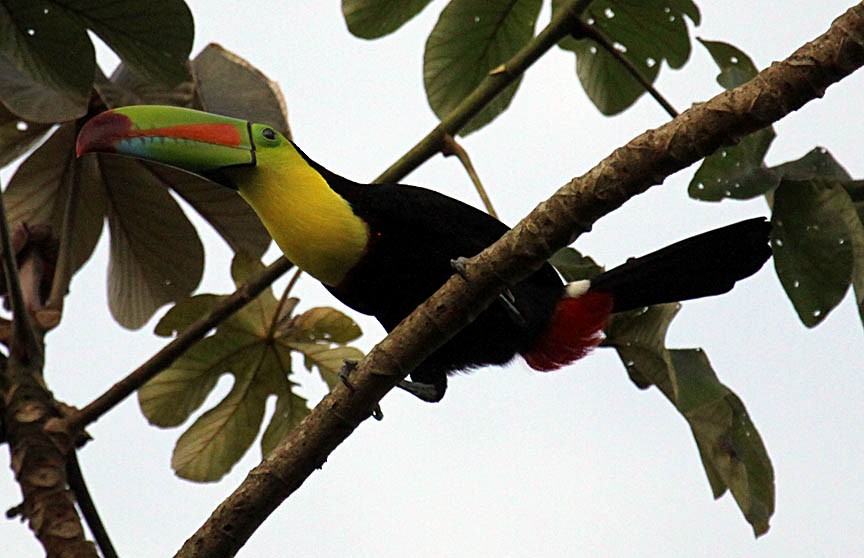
382 249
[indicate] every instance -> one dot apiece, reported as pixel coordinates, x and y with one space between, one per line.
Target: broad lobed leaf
257 354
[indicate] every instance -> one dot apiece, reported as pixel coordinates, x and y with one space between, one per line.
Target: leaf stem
452 147
88 506
277 315
591 32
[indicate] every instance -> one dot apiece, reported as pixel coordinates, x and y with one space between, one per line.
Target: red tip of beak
102 132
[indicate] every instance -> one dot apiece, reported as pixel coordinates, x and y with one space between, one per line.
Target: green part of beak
192 140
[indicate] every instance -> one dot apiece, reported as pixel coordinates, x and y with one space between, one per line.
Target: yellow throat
313 225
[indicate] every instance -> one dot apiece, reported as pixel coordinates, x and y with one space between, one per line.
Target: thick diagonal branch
646 161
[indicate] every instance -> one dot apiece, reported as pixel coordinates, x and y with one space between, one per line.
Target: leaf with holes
471 39
645 32
737 171
736 68
370 19
639 338
254 346
812 236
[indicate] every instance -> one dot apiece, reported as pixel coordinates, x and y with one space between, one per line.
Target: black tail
704 265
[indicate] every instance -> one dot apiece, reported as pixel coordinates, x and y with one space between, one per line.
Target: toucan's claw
507 298
348 367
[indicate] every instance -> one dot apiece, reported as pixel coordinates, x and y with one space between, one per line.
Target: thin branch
24 343
629 171
452 147
88 506
495 82
591 32
161 360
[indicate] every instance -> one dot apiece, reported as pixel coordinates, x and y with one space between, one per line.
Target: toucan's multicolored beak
192 140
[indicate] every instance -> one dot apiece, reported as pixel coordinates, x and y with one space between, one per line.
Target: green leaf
639 337
731 448
370 19
185 313
47 42
471 39
17 135
220 436
230 85
257 354
43 42
125 87
323 324
33 101
736 172
818 163
573 266
736 68
290 410
812 236
223 209
645 32
156 256
154 38
42 188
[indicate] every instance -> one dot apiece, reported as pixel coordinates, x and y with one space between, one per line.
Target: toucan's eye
269 133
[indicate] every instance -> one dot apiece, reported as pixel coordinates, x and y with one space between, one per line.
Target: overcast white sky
511 463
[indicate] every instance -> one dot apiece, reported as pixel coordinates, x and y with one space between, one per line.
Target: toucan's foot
506 297
458 265
348 367
427 392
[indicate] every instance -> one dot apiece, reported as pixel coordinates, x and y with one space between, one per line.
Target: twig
452 147
628 171
87 506
591 32
161 360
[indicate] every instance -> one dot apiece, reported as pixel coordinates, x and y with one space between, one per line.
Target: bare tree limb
630 170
